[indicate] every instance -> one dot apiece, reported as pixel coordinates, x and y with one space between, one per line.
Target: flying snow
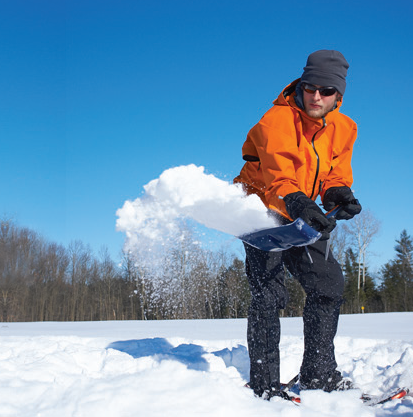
187 192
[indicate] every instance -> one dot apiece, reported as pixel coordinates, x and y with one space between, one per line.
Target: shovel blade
297 233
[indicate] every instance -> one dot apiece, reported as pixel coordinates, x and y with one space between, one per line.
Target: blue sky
99 97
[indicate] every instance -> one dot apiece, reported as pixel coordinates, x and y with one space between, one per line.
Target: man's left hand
342 196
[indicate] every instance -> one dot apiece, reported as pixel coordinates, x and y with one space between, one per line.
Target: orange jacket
289 151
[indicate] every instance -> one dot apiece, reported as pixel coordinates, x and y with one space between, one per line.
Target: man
301 148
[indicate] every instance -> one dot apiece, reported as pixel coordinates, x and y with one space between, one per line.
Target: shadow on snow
190 355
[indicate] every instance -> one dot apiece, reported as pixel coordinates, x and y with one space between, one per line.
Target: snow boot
268 394
335 382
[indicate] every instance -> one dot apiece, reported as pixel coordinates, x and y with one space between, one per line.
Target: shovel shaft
332 213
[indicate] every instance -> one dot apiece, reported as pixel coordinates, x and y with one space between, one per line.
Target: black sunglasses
324 91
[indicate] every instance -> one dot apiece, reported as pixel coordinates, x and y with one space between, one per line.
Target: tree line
44 281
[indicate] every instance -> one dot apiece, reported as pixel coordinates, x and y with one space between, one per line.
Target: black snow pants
323 283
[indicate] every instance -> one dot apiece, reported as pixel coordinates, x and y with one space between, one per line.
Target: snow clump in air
187 192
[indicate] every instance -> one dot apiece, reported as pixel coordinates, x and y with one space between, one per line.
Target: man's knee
271 294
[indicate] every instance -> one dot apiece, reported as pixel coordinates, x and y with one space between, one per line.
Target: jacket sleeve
276 148
341 173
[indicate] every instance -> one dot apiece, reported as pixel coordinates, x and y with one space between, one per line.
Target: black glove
299 205
341 196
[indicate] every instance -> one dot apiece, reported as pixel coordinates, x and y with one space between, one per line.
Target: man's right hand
299 205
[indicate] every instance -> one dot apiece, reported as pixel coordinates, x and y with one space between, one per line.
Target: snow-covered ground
189 368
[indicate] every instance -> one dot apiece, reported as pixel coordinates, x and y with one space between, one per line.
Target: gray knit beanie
327 69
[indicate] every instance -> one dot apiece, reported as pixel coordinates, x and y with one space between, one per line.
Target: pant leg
323 283
265 273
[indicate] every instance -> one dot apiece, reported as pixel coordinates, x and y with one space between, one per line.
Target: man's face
316 105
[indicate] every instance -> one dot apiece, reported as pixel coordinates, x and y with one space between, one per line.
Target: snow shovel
276 239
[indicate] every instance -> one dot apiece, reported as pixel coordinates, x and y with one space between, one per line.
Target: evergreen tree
350 270
397 277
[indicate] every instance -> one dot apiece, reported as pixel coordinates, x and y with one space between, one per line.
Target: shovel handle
333 212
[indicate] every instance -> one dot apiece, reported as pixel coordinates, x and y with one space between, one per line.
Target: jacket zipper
317 156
